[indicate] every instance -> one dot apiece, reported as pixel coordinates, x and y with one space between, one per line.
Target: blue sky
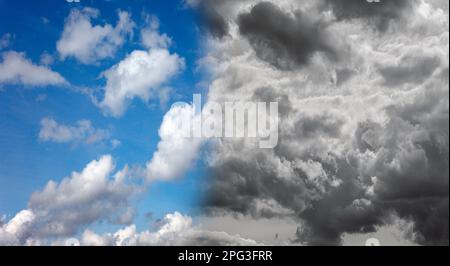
27 163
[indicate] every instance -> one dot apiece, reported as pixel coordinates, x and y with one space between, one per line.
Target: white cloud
7 239
46 59
89 238
139 75
150 36
142 74
98 194
15 68
93 180
175 153
18 224
94 194
191 3
127 216
83 131
175 229
17 229
90 43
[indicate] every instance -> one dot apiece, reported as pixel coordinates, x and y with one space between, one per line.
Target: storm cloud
363 138
216 24
379 13
284 40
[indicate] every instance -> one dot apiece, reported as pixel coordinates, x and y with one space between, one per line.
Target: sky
29 159
91 150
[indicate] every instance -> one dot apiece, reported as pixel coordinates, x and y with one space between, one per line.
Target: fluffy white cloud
98 194
150 36
83 131
175 229
82 198
90 43
61 209
17 229
140 75
15 68
7 239
175 152
143 73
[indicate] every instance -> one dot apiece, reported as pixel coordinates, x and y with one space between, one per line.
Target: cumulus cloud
140 75
81 199
15 68
284 40
90 43
18 229
174 230
83 131
150 36
361 138
175 152
63 208
97 194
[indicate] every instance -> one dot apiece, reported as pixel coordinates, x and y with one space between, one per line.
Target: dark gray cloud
379 13
214 15
267 94
214 22
410 162
410 69
312 126
412 165
326 211
412 170
345 208
283 40
352 153
237 183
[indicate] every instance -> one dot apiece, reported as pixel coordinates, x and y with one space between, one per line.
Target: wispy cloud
90 43
15 68
81 132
